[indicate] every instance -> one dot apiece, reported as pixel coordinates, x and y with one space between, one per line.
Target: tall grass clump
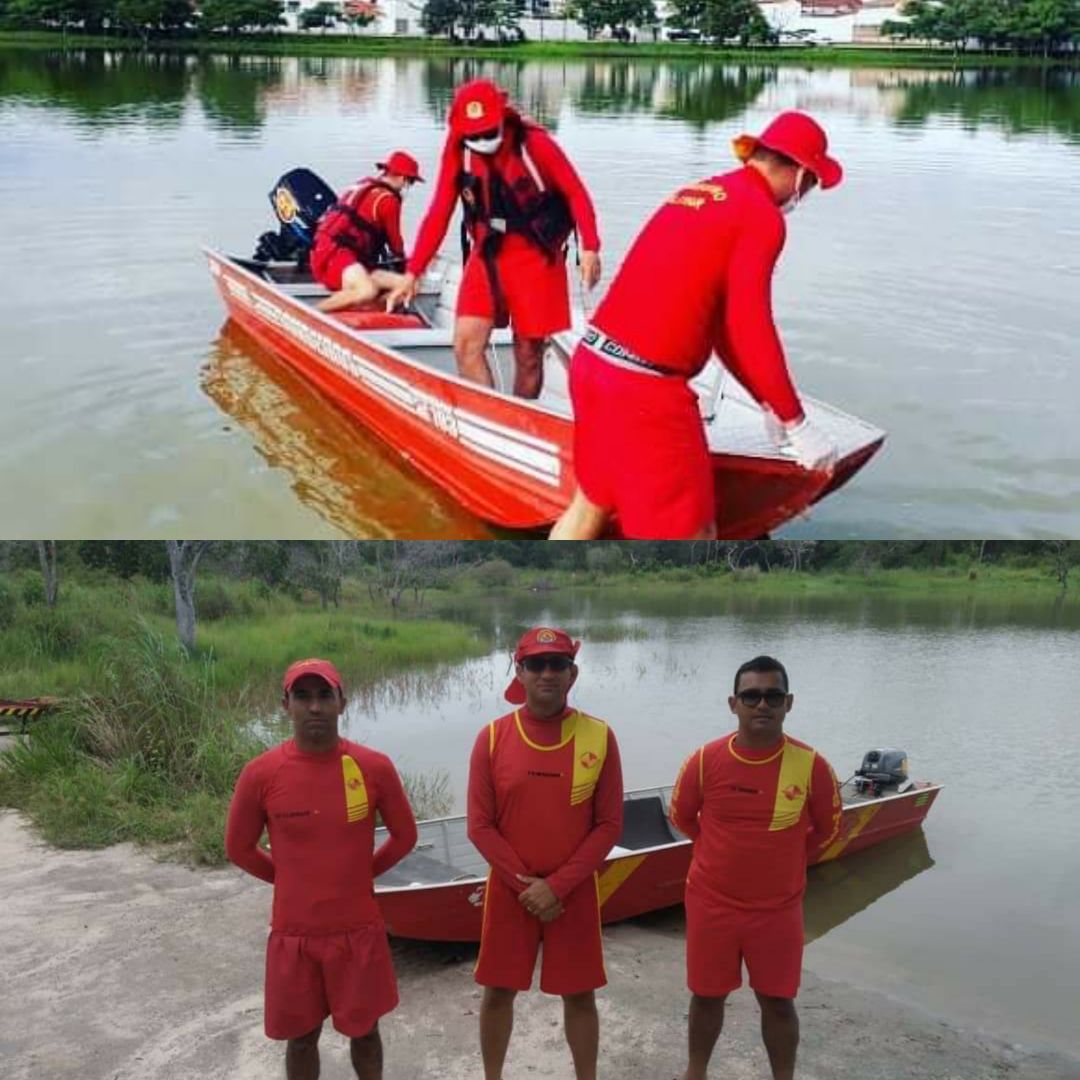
151 755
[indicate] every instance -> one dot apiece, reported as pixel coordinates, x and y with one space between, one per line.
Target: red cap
799 137
539 641
323 668
403 164
478 106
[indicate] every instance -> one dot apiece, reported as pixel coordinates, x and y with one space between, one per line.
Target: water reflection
838 890
336 467
232 89
1019 102
98 88
103 87
618 611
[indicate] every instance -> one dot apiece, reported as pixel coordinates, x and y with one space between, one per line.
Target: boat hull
508 461
635 883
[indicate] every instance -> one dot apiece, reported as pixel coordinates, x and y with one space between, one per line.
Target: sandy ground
120 967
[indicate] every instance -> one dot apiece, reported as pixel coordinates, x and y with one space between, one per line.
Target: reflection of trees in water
99 88
617 88
697 93
232 88
1020 102
708 93
537 90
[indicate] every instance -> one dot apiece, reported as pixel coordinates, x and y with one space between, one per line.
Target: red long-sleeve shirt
756 817
698 278
554 168
319 812
520 814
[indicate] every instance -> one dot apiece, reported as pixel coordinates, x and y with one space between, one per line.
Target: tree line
1040 27
394 569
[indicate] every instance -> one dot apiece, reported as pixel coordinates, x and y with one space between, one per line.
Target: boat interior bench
645 824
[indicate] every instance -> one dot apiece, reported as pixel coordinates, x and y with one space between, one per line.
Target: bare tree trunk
184 558
46 550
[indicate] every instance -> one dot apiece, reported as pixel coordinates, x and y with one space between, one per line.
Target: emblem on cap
474 110
545 637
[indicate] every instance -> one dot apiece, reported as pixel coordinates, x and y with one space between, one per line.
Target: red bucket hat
323 668
799 137
403 164
539 641
478 106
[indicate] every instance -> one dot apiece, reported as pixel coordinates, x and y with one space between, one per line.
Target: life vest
346 225
512 199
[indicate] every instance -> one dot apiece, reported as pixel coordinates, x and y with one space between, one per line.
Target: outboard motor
883 771
299 199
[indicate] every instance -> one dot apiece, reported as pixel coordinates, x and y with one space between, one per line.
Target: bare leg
528 366
582 1033
302 1056
706 1023
780 1033
366 1055
471 335
357 287
496 1024
581 520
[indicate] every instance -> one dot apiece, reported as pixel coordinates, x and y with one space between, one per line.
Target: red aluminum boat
508 461
437 892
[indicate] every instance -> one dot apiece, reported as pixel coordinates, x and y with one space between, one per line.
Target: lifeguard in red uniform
521 199
639 442
362 229
759 805
545 808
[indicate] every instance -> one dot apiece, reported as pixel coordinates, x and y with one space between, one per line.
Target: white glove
807 444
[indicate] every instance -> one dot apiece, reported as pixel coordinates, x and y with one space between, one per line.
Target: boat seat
380 320
645 824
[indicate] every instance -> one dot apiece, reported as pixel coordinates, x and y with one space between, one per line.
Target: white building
822 21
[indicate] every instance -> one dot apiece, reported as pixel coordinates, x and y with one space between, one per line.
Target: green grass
986 580
310 45
149 741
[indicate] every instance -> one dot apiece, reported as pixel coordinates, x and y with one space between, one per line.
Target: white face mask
794 198
485 146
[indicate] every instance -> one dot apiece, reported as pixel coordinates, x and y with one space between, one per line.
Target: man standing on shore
758 805
317 796
545 808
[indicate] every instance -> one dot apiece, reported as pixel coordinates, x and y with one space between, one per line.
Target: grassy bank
247 633
149 741
310 45
959 580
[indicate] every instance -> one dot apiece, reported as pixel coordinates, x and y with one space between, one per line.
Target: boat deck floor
733 420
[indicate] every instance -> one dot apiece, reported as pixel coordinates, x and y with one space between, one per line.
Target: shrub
495 573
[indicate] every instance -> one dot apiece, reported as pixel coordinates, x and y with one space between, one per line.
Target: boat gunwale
924 788
351 332
871 441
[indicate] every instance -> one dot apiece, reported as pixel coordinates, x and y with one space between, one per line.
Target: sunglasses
555 662
772 698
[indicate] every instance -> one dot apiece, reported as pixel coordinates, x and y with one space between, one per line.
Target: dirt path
118 967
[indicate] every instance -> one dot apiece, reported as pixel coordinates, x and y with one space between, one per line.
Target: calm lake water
975 918
934 293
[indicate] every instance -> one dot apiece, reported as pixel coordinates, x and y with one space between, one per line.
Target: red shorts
347 976
719 939
534 289
573 960
327 267
640 450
